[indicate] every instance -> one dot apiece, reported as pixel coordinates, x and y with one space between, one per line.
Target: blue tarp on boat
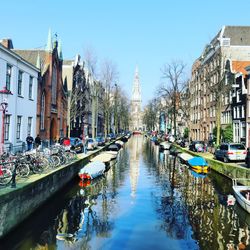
197 161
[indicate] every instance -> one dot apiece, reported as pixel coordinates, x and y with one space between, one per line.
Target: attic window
225 42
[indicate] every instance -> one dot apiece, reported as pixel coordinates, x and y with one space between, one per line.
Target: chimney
7 43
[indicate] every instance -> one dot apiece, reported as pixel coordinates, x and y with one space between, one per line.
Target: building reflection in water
134 160
199 202
183 208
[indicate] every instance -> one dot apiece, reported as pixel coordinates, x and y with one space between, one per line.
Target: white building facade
20 78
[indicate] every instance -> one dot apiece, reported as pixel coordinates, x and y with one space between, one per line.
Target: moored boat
103 157
242 194
113 154
92 170
165 145
198 163
185 157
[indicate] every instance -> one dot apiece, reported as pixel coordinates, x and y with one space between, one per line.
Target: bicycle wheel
22 170
43 163
63 159
5 176
56 161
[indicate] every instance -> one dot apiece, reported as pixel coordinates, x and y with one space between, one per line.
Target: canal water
148 200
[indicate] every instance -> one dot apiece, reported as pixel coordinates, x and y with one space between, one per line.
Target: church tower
136 111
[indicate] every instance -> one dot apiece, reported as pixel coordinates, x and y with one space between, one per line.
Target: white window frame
31 79
18 127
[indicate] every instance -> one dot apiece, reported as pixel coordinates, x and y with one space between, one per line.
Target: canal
148 200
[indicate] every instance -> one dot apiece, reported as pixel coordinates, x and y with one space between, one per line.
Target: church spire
136 94
49 42
59 49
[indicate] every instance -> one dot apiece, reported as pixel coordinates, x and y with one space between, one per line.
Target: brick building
52 93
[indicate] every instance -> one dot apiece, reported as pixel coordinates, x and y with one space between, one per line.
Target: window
20 83
6 127
29 125
31 87
42 111
238 96
18 127
54 84
243 111
8 76
235 115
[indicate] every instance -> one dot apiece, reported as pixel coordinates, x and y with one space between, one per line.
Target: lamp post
4 105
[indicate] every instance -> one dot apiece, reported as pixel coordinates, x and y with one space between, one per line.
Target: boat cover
114 147
197 161
93 167
103 157
185 157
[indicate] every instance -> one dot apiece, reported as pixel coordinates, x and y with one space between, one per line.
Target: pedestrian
37 141
29 141
66 141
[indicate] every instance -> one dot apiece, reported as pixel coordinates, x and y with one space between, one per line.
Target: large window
6 127
31 87
8 76
42 111
54 84
18 127
20 83
29 126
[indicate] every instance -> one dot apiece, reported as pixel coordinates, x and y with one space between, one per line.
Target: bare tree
90 59
174 85
109 76
150 117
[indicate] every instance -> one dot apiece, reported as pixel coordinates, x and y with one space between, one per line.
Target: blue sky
130 33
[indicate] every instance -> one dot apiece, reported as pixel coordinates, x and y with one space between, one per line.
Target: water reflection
202 200
147 200
135 152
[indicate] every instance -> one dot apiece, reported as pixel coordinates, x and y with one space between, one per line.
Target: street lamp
4 105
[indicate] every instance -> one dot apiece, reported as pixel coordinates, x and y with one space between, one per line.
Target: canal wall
17 204
230 170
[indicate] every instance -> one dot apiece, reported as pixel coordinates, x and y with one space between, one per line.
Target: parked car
91 144
76 144
197 146
247 160
231 152
100 141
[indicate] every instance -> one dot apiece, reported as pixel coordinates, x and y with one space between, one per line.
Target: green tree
186 133
227 133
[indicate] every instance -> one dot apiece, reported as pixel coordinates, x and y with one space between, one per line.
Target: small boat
137 132
114 147
92 170
242 194
185 157
113 154
165 145
198 163
124 139
103 157
120 142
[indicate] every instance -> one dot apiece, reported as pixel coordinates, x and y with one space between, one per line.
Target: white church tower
136 111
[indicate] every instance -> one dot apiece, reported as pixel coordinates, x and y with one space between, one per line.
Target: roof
16 55
31 55
239 66
68 62
239 35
